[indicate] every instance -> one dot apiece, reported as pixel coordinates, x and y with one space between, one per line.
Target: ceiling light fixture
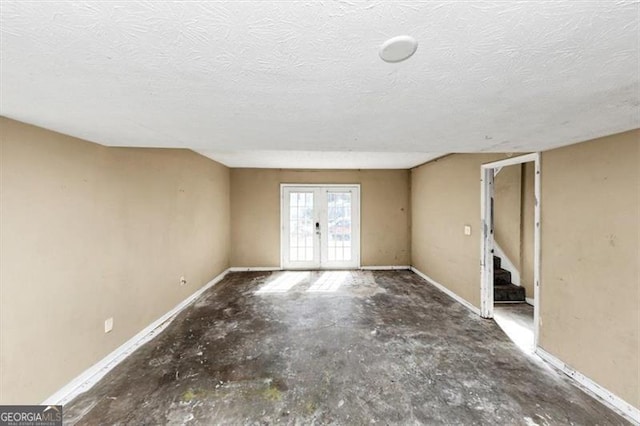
398 49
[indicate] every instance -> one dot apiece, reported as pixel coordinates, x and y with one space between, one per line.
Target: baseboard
254 268
447 291
530 301
607 397
93 374
275 268
386 268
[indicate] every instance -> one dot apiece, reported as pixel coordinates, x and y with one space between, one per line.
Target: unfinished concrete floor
332 347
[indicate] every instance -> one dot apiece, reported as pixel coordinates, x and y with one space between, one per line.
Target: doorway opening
320 226
510 251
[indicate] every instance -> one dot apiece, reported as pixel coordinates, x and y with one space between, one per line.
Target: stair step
497 262
501 277
508 293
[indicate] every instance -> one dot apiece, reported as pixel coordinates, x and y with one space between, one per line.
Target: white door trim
321 191
487 173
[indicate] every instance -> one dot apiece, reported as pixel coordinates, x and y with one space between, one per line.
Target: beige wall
255 206
90 232
507 211
590 283
445 196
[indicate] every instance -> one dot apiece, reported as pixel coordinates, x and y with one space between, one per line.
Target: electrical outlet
108 325
183 280
467 230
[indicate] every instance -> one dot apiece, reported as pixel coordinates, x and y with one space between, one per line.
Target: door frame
487 174
356 218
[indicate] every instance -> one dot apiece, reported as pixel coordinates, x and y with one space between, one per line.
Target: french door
320 226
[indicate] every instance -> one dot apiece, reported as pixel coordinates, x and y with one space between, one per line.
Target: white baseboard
90 376
447 291
386 268
608 398
275 268
254 268
530 301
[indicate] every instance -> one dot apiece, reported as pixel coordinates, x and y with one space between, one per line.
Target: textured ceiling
267 83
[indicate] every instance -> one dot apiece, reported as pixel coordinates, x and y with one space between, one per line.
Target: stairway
504 291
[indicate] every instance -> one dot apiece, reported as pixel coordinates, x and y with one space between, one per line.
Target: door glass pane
301 226
339 226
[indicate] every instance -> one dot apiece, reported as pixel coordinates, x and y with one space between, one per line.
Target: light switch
108 325
467 230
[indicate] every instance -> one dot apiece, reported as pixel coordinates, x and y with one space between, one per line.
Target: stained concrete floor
332 348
